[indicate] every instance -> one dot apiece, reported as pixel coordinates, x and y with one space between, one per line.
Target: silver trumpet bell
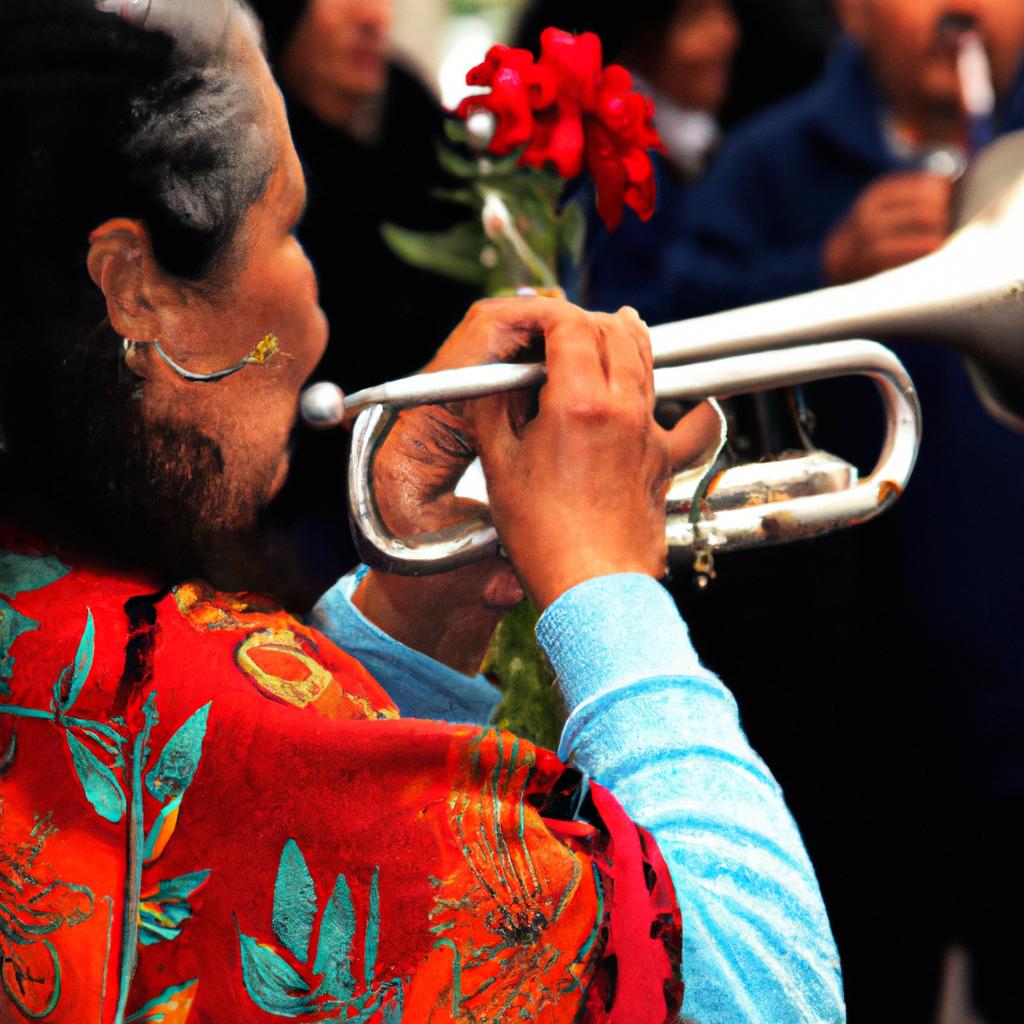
969 296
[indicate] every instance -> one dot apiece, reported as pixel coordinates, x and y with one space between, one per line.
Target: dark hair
619 29
101 118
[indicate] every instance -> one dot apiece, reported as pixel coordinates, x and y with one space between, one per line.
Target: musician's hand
449 617
579 490
898 219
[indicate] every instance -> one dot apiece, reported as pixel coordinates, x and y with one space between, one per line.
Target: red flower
566 111
517 87
619 135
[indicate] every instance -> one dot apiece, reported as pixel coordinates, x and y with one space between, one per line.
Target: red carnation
517 86
565 110
618 137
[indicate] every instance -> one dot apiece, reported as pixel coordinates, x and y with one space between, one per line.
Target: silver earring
265 350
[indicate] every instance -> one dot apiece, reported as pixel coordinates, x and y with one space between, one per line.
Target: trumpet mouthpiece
322 406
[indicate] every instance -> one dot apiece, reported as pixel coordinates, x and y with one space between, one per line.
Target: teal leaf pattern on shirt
280 988
163 912
170 1007
7 757
100 752
177 764
294 902
334 950
166 819
12 625
372 930
73 678
101 787
35 907
22 573
272 984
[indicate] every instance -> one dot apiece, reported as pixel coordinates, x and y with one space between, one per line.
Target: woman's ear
122 266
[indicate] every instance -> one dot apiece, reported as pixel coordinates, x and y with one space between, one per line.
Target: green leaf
498 166
461 196
294 902
455 131
572 232
67 690
272 984
334 946
101 787
456 165
531 706
162 914
454 253
176 767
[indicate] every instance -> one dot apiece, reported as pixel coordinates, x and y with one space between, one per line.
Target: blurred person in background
783 48
366 128
907 765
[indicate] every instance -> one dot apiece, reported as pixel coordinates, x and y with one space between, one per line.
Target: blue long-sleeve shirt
662 733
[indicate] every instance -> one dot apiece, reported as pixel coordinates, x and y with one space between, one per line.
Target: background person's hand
898 219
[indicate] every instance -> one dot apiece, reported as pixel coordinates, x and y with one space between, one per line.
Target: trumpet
969 295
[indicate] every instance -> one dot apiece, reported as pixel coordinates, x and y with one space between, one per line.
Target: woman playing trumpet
209 810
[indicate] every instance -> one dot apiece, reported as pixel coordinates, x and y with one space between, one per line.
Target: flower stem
498 222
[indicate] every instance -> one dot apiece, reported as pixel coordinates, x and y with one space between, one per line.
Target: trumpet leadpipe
979 311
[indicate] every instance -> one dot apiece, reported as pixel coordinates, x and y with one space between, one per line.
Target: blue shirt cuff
613 631
420 686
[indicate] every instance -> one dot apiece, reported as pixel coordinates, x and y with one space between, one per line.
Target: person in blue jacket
898 729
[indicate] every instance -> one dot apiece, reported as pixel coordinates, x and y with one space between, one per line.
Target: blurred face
694 61
915 69
341 47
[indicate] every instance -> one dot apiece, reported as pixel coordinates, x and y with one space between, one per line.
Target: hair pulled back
101 118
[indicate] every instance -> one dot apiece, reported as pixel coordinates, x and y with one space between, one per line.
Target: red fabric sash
209 813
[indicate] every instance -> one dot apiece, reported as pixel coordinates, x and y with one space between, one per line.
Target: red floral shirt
209 813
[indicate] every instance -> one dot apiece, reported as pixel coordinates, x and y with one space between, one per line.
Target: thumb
697 437
496 427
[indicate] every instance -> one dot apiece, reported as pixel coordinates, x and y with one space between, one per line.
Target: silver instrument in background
968 296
